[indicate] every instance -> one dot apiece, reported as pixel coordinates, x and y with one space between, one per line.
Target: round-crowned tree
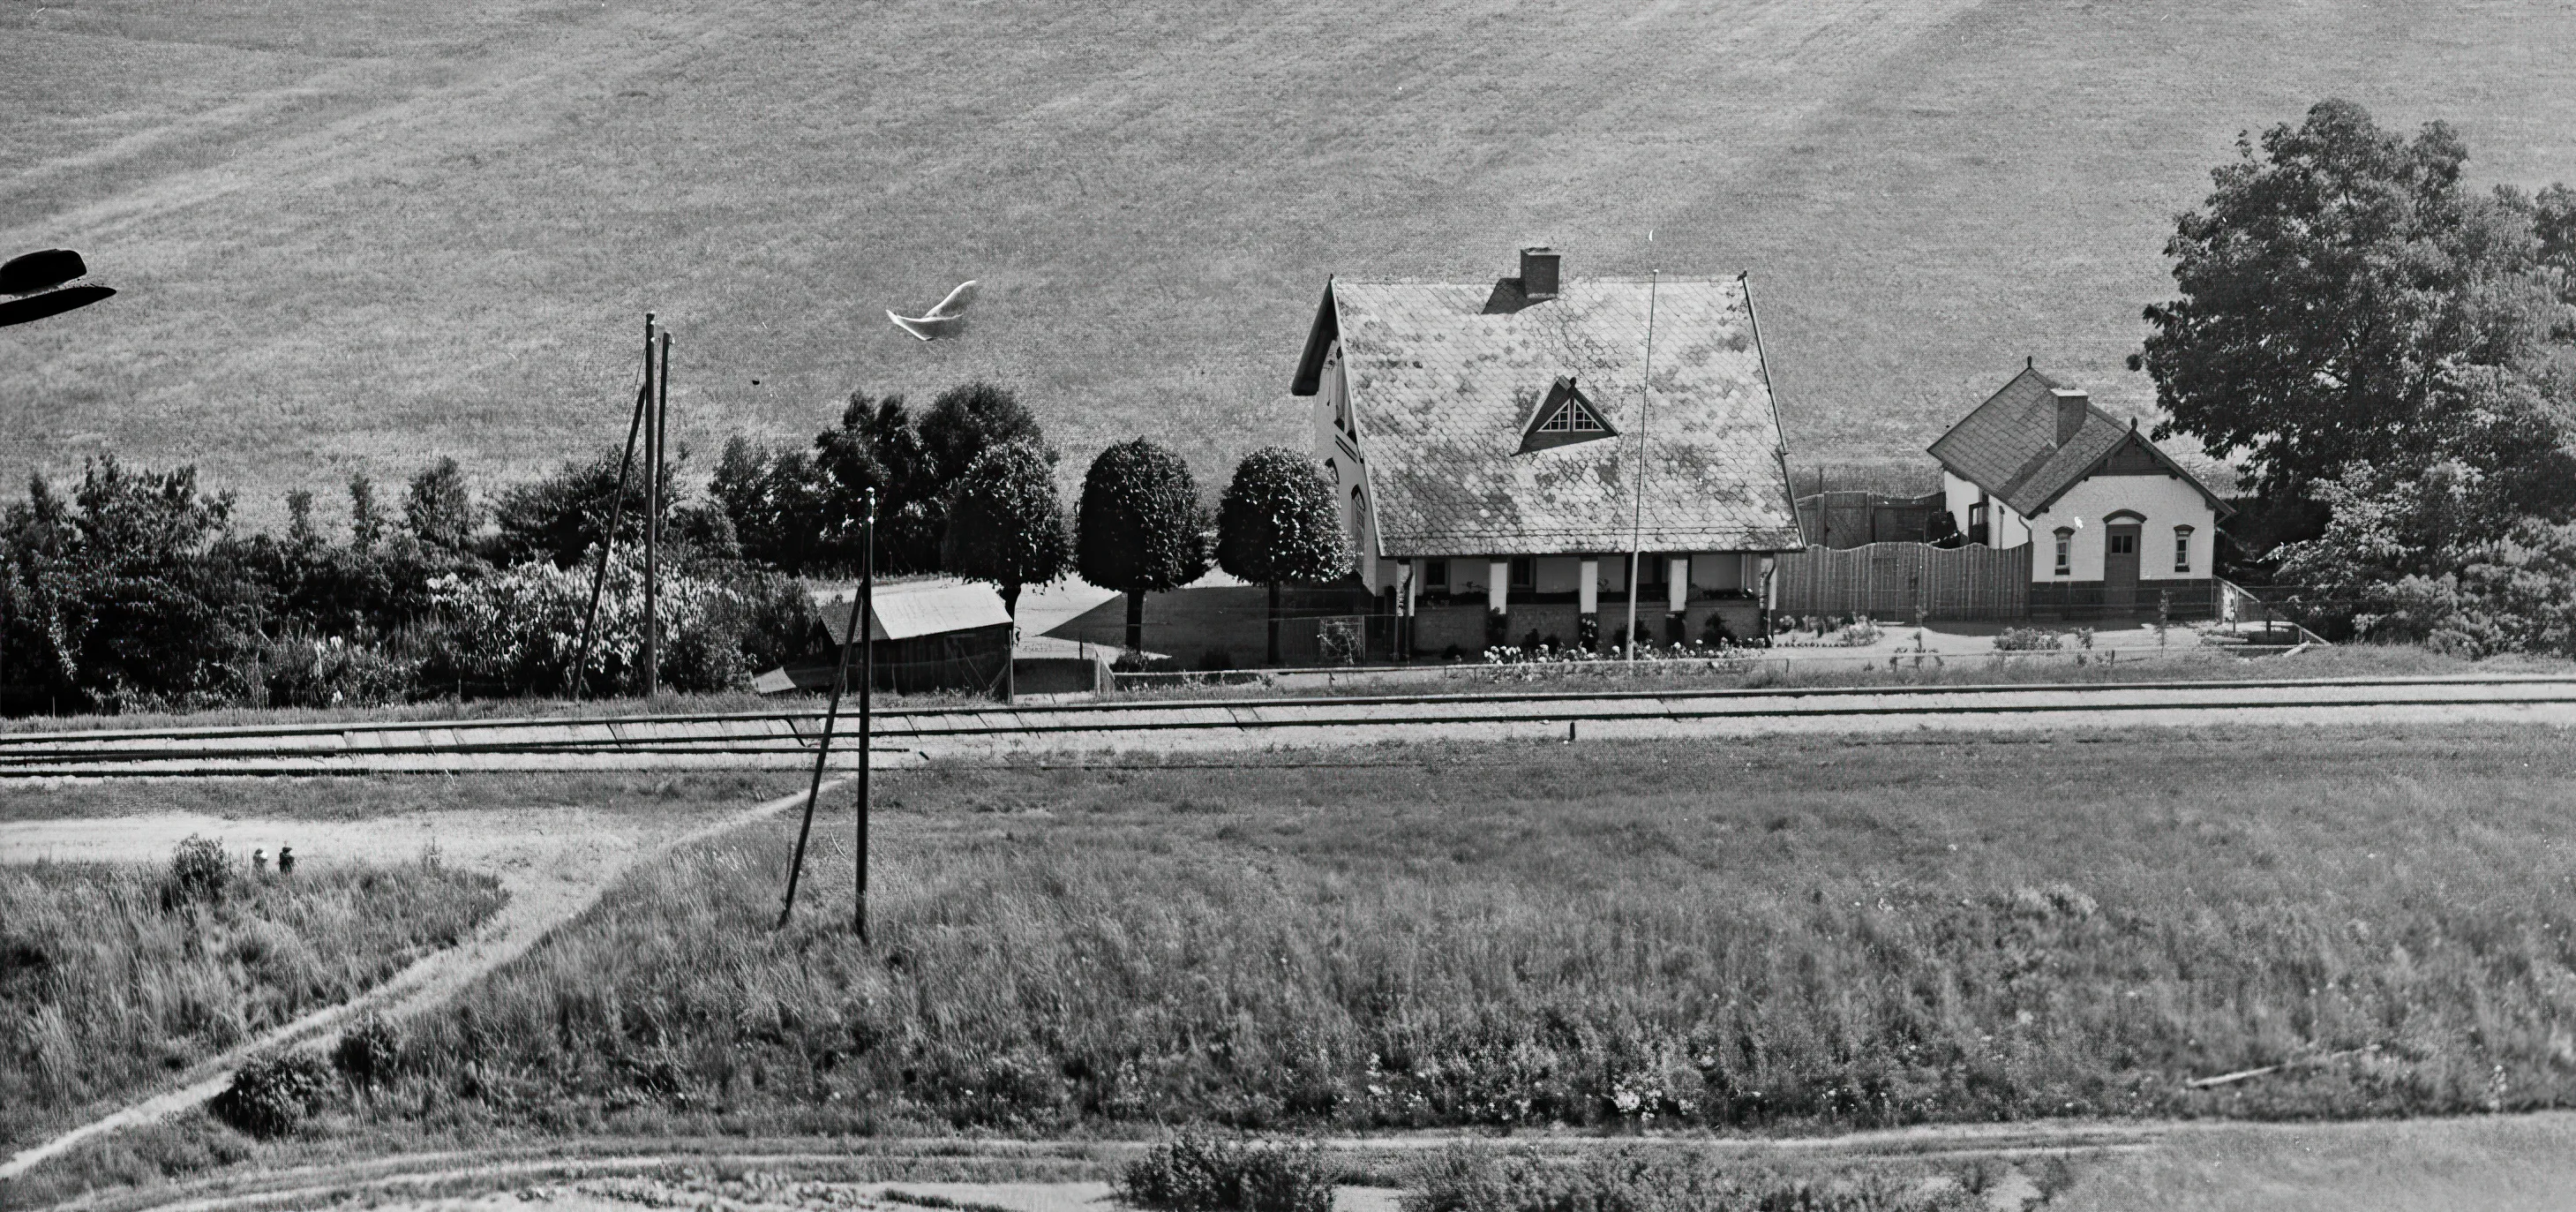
1141 527
1277 523
1005 524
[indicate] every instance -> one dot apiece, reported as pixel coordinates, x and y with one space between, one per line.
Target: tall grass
1785 934
114 975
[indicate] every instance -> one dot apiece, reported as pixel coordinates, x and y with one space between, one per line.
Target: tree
1005 524
971 418
1142 528
124 595
777 501
1277 522
440 509
563 515
366 522
2330 282
877 446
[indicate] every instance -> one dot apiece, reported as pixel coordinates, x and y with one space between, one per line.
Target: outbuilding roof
1445 378
905 610
2008 446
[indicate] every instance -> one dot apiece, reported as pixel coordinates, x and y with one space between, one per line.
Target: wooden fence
1893 580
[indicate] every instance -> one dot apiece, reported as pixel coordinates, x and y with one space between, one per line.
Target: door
2120 567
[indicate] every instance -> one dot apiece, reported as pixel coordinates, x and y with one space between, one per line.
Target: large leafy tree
971 418
1277 523
777 501
124 595
1142 528
2341 291
561 516
1005 524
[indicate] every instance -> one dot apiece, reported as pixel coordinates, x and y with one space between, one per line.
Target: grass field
1785 935
364 233
113 978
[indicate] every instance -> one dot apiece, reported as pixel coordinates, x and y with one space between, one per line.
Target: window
1524 572
1575 417
2182 549
2065 551
1435 575
2123 544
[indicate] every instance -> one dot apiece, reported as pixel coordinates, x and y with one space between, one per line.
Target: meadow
117 977
360 234
1778 936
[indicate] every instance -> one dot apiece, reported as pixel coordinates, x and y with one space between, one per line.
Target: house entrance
2120 567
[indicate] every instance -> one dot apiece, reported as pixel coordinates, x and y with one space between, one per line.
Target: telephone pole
654 425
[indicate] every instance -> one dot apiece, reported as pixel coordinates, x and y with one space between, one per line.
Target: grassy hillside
362 233
1786 934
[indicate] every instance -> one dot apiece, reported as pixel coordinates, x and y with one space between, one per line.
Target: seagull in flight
946 320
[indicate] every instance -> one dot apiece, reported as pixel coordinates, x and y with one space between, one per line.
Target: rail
780 735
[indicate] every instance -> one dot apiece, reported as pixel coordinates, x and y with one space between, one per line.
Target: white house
2116 525
1484 440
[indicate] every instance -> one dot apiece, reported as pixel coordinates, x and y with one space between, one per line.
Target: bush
199 871
2028 639
368 1051
1195 1172
1132 661
309 671
1471 1178
1215 660
273 1092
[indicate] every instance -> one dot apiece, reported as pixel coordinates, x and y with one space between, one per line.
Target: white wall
2004 528
2164 500
1340 455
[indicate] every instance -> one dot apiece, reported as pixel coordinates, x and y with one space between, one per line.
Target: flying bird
946 320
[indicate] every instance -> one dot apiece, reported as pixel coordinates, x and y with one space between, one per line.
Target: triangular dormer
1564 418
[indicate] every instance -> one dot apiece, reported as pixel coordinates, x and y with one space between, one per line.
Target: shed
933 633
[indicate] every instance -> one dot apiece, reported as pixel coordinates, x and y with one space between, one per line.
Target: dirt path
554 862
2525 1161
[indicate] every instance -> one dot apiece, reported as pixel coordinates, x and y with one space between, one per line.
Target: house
929 633
2117 525
1484 442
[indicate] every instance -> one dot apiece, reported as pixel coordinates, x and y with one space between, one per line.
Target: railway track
787 737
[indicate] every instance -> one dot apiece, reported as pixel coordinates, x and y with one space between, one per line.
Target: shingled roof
2008 446
1445 376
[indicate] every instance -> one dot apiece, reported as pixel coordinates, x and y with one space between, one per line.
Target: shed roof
909 609
1444 377
2008 446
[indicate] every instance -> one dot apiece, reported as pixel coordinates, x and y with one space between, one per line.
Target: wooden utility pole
659 415
616 516
861 620
867 688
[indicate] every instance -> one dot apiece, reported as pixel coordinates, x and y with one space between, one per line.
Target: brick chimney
1538 274
2072 406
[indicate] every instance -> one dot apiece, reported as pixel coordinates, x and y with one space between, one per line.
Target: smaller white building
2115 525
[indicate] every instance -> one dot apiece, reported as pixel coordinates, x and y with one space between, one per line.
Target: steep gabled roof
2008 446
1445 377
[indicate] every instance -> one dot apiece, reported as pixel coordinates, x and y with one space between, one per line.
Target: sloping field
363 233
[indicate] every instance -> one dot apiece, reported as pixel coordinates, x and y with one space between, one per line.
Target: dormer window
1565 417
1575 417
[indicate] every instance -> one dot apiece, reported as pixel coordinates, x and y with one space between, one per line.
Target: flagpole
1645 398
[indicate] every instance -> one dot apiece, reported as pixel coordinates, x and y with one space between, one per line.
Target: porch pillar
1409 576
1587 605
1498 607
1677 600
